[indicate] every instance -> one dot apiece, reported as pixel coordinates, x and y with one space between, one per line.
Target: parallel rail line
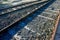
29 13
17 7
6 26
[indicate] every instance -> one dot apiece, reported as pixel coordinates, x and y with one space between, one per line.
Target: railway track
17 7
33 28
10 18
40 28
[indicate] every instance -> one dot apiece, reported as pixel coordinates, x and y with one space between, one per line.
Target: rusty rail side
55 27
